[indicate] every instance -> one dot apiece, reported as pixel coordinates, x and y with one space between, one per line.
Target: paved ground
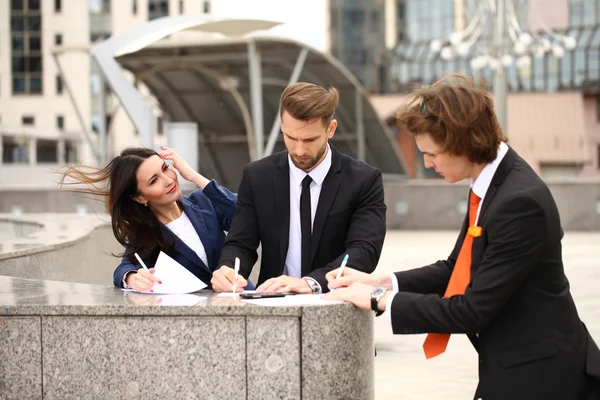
401 370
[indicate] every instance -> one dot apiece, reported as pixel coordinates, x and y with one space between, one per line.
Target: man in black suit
503 284
308 206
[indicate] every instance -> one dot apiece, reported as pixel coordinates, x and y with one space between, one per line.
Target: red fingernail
160 282
152 290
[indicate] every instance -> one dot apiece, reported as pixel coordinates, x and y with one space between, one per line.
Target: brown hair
458 114
135 226
305 101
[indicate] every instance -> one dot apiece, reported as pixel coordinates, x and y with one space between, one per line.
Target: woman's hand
142 280
184 169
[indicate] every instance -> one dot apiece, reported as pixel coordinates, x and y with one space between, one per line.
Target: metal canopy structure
230 87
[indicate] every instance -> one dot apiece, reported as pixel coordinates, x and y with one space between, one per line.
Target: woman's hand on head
186 172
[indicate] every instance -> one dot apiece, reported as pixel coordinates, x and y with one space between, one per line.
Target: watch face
377 292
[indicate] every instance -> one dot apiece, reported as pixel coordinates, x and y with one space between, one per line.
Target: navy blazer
210 211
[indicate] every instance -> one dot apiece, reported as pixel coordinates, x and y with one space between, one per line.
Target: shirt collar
318 174
481 185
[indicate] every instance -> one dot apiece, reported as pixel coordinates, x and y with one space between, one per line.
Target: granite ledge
27 297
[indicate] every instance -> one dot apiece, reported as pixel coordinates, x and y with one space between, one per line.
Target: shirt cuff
388 304
394 282
388 307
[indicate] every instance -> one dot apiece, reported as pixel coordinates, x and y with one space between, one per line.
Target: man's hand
142 280
358 294
350 276
285 284
223 280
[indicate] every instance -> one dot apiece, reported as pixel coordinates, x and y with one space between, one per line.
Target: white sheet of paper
231 294
175 278
293 300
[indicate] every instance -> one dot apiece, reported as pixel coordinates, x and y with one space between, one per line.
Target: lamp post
500 44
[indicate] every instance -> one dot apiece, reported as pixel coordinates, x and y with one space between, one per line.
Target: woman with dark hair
149 213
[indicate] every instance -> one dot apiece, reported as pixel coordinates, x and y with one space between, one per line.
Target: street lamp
501 17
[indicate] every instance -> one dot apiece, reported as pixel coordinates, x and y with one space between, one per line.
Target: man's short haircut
306 101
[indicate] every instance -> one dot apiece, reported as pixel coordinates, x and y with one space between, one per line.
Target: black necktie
305 225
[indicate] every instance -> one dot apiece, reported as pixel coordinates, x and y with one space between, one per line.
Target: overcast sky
304 20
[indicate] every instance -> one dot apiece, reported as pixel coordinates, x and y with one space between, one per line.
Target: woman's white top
182 227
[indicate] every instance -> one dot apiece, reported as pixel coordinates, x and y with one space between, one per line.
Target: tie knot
474 199
306 181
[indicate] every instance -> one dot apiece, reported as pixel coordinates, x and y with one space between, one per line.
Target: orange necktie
435 343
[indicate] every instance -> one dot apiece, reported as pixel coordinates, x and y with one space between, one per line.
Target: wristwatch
376 295
314 286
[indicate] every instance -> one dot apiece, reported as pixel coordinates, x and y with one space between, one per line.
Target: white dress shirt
182 228
480 187
293 259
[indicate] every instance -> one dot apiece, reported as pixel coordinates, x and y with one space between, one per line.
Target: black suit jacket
517 310
350 218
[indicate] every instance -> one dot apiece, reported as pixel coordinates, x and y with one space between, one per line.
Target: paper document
175 277
293 300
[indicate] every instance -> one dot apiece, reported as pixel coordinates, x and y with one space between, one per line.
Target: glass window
27 120
18 44
18 85
16 5
35 44
34 4
589 12
14 150
59 85
46 151
539 73
57 6
566 70
18 64
579 68
576 12
157 9
17 24
58 39
94 6
206 6
70 151
60 122
35 64
34 23
594 66
134 7
35 85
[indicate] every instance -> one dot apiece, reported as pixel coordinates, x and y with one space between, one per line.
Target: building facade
419 22
358 40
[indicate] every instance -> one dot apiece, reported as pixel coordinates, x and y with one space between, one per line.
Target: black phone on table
263 295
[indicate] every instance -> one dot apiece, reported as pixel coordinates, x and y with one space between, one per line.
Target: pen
237 270
140 260
344 262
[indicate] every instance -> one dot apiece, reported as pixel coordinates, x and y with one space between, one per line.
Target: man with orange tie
503 284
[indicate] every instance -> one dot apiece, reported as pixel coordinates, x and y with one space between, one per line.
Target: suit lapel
200 226
329 190
499 178
281 186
